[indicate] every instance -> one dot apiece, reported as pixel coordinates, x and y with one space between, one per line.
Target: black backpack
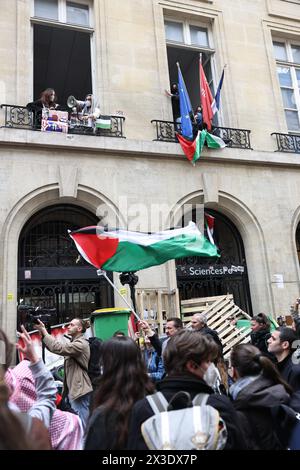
286 422
94 367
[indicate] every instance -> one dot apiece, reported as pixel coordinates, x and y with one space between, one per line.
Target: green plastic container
106 321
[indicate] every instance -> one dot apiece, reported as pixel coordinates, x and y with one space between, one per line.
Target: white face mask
212 376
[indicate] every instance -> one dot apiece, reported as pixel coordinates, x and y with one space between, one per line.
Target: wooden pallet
157 305
220 312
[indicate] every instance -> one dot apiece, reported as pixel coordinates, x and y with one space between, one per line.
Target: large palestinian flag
124 251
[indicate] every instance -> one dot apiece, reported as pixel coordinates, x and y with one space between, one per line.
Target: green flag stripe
133 257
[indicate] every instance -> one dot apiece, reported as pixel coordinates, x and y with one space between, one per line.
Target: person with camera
77 383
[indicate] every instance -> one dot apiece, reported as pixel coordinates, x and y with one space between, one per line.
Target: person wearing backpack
257 392
186 359
77 383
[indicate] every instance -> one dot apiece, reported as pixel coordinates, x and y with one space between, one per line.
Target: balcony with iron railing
18 117
288 143
234 138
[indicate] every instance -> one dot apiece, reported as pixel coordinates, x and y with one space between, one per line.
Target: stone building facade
126 51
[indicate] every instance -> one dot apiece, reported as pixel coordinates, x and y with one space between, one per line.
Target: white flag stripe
146 239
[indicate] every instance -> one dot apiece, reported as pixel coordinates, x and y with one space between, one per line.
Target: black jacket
260 340
290 372
208 331
171 385
101 432
253 404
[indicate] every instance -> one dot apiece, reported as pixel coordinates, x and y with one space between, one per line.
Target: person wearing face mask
87 111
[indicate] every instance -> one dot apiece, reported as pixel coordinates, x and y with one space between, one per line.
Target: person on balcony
198 118
87 111
174 95
40 108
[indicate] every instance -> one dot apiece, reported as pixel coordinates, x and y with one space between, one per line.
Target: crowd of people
248 391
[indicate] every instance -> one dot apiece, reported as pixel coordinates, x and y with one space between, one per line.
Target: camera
29 316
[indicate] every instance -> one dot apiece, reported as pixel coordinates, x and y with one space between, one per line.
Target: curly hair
123 369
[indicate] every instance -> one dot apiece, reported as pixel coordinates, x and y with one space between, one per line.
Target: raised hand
28 348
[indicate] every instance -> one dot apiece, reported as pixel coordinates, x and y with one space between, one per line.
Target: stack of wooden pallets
222 315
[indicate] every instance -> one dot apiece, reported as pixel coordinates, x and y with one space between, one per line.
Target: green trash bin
106 321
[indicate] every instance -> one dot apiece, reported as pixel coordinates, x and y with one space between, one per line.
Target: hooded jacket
253 404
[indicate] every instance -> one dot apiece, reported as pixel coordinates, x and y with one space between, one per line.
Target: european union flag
185 108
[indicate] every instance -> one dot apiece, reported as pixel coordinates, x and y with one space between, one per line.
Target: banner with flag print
103 122
193 149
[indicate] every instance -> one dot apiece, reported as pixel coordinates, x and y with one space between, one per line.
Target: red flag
132 326
206 99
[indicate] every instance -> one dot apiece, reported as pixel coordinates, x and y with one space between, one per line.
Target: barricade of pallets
222 314
156 305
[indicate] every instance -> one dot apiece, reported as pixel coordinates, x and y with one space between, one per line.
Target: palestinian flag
124 251
104 122
209 225
193 149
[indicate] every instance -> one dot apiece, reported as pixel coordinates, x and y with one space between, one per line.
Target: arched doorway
206 277
51 275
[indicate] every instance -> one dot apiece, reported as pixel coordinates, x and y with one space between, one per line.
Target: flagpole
200 62
101 272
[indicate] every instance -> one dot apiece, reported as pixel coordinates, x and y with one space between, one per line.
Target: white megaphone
72 102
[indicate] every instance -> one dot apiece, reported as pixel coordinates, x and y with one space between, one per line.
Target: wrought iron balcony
234 138
18 117
287 142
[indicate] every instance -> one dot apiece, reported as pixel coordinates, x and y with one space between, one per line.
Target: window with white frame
185 40
186 33
75 12
287 55
62 53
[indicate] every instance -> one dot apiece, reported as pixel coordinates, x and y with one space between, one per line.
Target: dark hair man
173 325
282 344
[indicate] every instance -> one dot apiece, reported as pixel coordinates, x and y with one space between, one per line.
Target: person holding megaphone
86 111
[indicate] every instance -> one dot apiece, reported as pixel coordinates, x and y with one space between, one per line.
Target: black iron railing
18 117
289 143
234 138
